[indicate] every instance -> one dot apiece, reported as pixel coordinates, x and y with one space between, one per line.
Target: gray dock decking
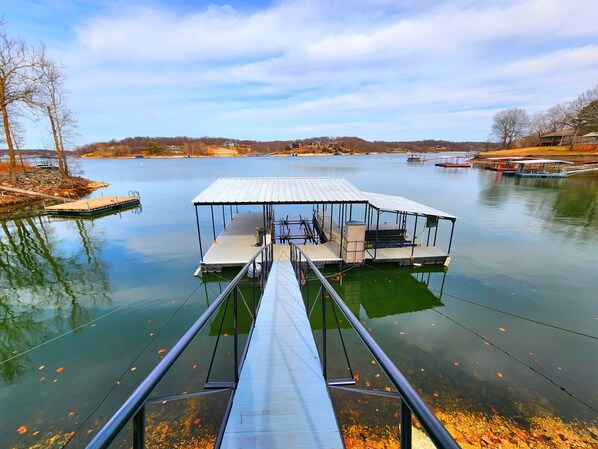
282 400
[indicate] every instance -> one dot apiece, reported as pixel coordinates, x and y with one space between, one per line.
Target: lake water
87 308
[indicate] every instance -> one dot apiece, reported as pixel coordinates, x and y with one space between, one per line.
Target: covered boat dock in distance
329 218
539 168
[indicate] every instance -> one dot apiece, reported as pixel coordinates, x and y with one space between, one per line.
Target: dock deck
281 399
93 206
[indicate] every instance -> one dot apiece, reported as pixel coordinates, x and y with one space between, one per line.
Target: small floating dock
93 207
282 399
539 168
331 220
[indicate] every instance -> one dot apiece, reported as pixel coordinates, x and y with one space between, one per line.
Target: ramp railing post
236 336
324 364
253 289
139 429
405 429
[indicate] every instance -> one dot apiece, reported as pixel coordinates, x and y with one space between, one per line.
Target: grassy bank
555 152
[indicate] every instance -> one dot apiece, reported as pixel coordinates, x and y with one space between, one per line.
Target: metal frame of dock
242 211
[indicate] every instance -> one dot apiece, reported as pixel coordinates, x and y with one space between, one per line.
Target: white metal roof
543 161
279 191
398 203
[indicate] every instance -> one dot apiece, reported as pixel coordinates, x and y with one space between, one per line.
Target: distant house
589 139
174 149
228 144
296 145
557 138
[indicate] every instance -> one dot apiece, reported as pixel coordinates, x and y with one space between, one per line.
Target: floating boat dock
93 207
331 220
282 399
539 168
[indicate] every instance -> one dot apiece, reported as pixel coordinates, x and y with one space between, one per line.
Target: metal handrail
134 407
410 400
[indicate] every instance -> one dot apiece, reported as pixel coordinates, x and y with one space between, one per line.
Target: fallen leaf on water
356 377
93 325
197 421
396 415
456 363
71 414
89 431
22 430
402 333
43 378
151 334
502 329
377 375
60 370
194 366
14 352
161 350
149 321
499 374
36 433
373 362
388 388
228 353
486 343
435 395
134 368
367 384
55 380
226 335
41 367
118 382
184 392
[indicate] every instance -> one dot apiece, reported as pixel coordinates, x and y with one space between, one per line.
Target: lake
507 334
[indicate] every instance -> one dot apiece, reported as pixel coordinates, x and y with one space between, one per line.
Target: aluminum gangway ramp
281 400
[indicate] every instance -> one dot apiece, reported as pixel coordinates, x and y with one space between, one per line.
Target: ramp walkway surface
281 399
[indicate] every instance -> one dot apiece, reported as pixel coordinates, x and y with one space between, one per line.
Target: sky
289 69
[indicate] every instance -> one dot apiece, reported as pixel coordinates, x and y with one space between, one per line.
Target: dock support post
139 429
451 238
377 233
253 278
436 233
350 211
331 212
405 429
414 237
342 223
223 217
213 225
198 234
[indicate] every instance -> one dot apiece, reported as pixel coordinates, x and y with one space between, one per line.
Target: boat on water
504 164
416 158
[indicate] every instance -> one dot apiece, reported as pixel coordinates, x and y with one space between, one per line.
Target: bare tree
509 125
573 114
19 83
52 103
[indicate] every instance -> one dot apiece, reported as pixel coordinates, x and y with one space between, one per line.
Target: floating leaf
402 333
41 367
60 370
373 362
486 343
161 350
71 414
151 334
367 384
356 377
118 382
194 366
388 388
149 321
225 334
502 329
36 433
42 379
89 431
435 395
197 421
377 375
134 368
456 363
499 374
22 430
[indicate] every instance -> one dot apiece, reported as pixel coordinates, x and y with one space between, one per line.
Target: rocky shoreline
41 181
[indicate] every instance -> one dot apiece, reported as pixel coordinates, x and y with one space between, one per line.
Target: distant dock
93 207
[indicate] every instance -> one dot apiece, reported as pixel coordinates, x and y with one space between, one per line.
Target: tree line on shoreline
203 146
31 84
515 128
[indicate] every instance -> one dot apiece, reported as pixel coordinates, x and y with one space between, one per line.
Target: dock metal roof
399 204
542 161
280 191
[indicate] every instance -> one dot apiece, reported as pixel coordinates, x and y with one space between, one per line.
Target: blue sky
381 69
